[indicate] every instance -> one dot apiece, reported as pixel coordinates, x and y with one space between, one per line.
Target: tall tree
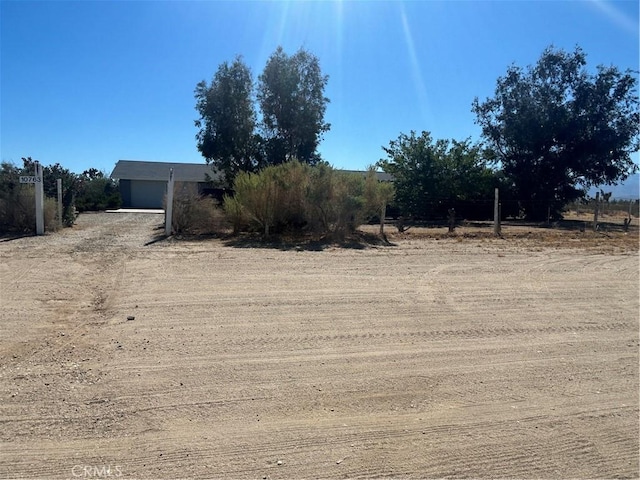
557 130
430 177
227 121
292 101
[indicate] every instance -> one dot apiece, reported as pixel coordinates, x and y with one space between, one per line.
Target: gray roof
182 172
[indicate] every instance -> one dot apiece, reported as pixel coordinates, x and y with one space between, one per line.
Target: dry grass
570 233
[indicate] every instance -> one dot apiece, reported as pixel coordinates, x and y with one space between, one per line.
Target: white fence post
39 200
169 210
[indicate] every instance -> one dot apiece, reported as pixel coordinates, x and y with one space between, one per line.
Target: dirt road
426 359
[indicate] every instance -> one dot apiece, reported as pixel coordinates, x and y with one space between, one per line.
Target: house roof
182 172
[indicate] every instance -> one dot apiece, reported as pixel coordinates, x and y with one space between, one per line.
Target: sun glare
616 16
294 24
416 71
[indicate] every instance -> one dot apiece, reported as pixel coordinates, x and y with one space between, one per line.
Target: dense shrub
235 213
97 192
92 190
298 198
18 211
195 214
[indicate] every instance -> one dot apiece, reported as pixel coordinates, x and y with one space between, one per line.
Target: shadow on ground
7 237
356 241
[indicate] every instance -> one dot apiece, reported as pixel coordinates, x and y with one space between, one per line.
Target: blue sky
88 83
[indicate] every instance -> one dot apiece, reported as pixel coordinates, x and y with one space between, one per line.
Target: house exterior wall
150 193
142 193
125 192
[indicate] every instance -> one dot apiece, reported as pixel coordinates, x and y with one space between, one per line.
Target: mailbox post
39 188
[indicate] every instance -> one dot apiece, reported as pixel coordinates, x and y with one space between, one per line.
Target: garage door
147 194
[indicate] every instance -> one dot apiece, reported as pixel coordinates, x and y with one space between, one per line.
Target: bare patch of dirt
440 356
568 234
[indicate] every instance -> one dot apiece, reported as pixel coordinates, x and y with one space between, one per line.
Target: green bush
256 194
195 214
297 198
334 201
97 192
235 213
92 190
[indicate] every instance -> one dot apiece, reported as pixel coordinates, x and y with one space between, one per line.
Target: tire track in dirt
335 363
405 337
64 309
87 247
299 443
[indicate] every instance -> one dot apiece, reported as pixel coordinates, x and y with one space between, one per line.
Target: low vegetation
297 198
90 191
18 210
195 214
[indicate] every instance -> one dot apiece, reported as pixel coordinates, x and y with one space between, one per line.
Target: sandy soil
435 357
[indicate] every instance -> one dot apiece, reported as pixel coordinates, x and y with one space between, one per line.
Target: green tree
227 137
96 191
292 102
431 177
558 130
9 177
13 215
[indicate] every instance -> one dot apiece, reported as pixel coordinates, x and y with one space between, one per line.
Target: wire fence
436 209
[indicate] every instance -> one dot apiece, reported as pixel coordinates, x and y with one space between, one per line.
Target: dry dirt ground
434 357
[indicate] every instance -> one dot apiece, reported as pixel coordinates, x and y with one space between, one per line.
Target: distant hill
629 189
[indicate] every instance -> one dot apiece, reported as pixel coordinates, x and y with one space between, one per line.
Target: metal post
59 185
39 200
169 209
